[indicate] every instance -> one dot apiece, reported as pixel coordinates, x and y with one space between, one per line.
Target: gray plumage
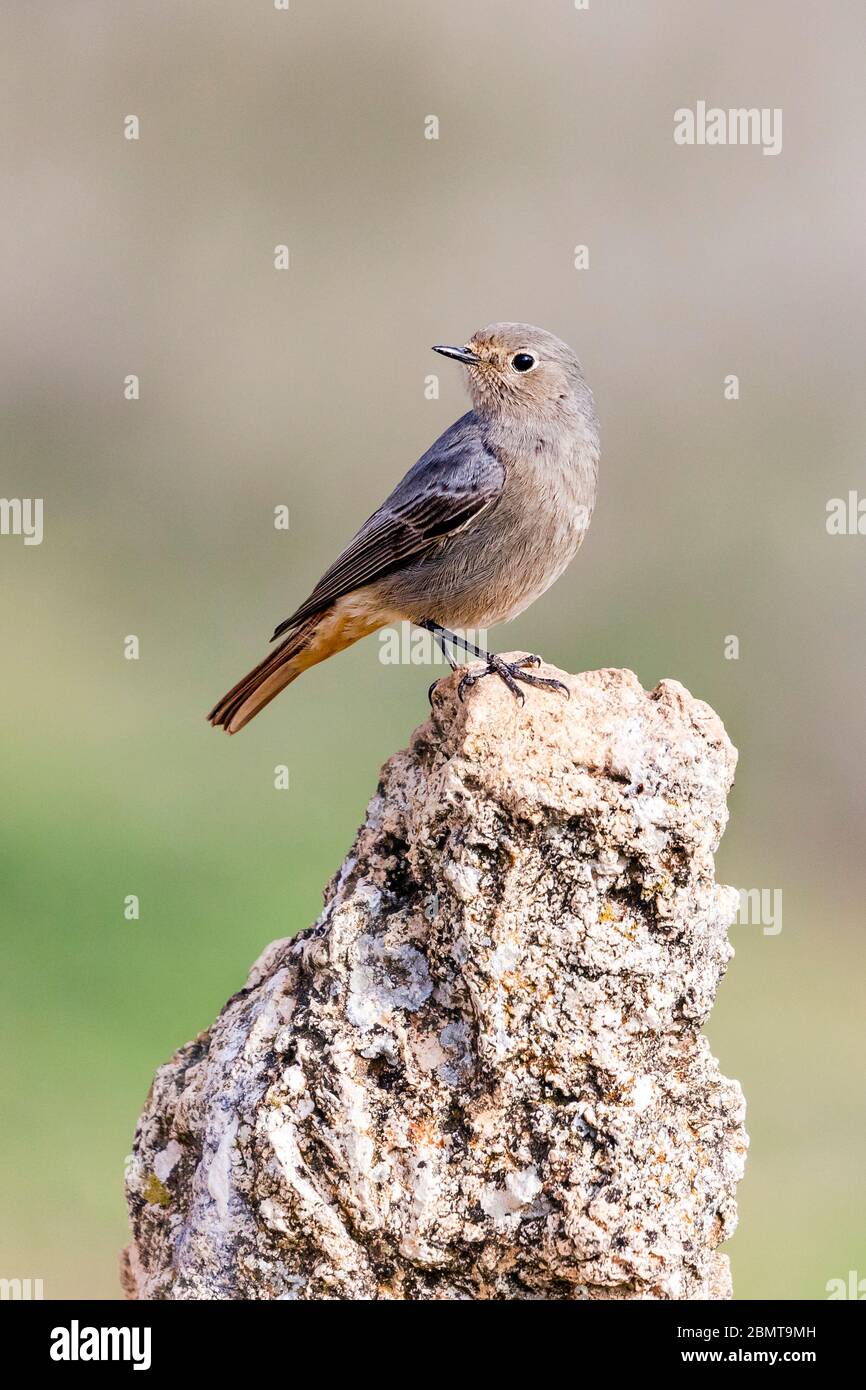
483 523
440 496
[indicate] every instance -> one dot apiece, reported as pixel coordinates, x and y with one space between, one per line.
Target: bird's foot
511 672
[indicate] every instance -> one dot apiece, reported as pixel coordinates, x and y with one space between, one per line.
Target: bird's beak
460 354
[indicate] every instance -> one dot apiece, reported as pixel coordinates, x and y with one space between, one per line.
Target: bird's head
517 369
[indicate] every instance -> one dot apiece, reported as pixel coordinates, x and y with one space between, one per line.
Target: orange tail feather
260 685
317 638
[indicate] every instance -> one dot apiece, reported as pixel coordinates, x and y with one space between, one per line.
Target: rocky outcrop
481 1073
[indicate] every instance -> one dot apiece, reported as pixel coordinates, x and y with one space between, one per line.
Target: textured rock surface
480 1074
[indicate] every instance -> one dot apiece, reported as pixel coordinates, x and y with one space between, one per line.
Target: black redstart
481 526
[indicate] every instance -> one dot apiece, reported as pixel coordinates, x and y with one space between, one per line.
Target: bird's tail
263 682
311 642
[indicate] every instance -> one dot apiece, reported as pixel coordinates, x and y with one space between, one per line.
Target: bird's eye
524 361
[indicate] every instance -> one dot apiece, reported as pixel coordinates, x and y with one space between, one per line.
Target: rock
481 1073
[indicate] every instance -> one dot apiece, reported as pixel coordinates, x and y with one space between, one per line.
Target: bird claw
550 684
511 672
467 682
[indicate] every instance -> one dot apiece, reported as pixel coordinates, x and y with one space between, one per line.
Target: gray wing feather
458 477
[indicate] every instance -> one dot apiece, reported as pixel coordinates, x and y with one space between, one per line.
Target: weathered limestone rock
480 1074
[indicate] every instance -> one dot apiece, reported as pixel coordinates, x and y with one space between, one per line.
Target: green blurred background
306 388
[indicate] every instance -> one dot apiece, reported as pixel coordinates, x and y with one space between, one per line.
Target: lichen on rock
480 1074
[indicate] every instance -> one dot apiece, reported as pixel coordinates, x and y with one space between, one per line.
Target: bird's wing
458 477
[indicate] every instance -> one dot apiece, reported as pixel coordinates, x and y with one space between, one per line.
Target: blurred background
306 388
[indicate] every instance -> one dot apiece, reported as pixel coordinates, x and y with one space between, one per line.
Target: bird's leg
509 671
441 635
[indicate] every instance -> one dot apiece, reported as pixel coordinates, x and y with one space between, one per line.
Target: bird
478 529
